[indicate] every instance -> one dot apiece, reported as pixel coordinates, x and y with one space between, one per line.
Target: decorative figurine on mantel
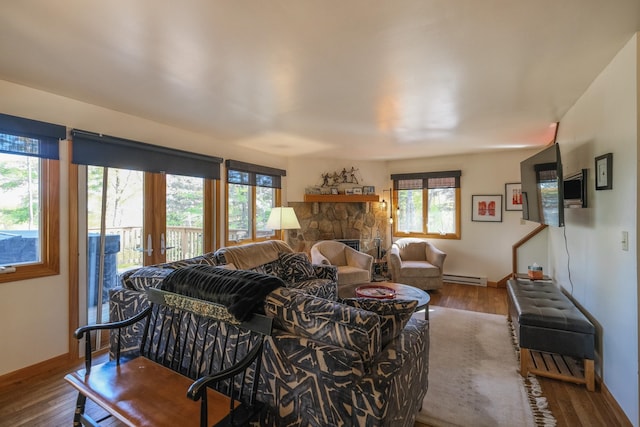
344 177
325 179
346 181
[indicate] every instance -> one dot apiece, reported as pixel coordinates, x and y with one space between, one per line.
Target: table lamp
282 218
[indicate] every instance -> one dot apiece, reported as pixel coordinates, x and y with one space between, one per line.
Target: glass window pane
264 180
19 144
441 217
409 184
238 177
124 213
410 214
265 201
185 214
123 216
442 182
239 209
20 210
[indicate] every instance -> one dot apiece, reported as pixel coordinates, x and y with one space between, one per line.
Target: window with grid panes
29 198
252 191
427 204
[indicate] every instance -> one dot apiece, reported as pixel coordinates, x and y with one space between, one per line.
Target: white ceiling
355 79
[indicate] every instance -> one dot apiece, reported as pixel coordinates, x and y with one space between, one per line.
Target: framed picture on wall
513 196
486 208
604 172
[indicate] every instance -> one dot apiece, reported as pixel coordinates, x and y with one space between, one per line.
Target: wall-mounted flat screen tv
542 187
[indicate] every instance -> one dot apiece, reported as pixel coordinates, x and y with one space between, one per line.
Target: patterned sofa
328 362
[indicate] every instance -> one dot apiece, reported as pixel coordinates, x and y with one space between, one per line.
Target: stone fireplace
365 222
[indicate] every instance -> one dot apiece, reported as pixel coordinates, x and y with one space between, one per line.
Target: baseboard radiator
465 280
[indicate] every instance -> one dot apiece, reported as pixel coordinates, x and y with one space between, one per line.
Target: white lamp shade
282 219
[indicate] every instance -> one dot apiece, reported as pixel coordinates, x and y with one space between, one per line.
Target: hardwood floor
45 401
571 404
49 401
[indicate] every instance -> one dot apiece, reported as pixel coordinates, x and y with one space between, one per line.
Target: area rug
473 375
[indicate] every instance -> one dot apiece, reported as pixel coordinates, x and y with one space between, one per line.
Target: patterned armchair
327 362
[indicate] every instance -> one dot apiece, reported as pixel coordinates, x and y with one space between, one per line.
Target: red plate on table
375 291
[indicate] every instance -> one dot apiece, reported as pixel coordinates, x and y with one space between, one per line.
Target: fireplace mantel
341 198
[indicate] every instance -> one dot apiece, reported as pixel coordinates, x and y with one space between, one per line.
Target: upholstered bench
549 327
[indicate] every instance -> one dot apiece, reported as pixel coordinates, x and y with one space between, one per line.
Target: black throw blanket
242 292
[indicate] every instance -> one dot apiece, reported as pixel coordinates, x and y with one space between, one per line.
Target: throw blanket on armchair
242 292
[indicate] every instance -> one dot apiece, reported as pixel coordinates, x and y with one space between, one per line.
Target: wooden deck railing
185 242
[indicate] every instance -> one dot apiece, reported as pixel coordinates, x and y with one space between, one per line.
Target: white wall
603 276
535 251
485 247
307 172
34 314
35 104
40 306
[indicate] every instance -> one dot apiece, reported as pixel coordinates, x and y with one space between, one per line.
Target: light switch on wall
625 240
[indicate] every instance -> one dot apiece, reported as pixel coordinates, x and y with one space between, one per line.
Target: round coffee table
405 292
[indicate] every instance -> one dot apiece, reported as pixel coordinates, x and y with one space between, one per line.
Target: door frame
77 311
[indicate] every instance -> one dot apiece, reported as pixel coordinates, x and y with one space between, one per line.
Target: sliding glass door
134 219
138 204
114 240
184 221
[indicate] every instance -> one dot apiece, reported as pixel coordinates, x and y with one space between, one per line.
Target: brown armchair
353 266
416 262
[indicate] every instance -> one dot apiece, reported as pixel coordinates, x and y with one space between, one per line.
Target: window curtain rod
45 137
250 167
429 179
90 148
427 175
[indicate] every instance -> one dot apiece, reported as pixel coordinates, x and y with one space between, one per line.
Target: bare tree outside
122 187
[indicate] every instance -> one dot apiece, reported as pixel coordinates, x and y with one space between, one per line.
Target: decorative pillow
241 291
271 268
147 277
394 314
295 267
